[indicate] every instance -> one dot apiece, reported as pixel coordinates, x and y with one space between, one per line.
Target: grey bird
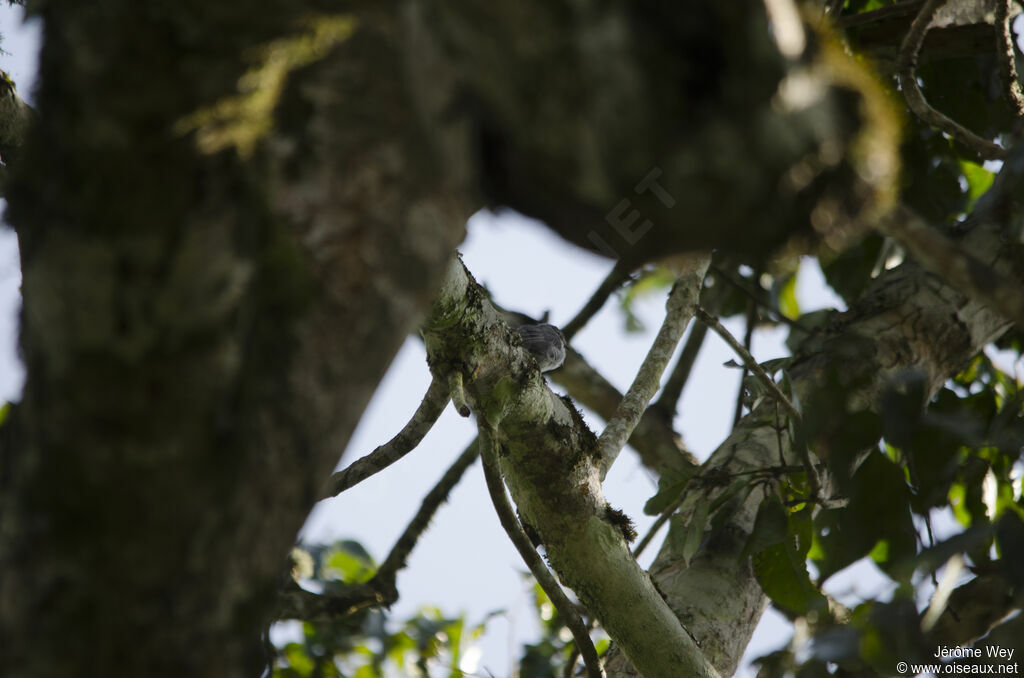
545 343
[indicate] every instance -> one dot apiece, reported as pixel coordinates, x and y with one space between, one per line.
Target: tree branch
381 589
682 302
906 69
552 474
15 118
507 517
405 441
615 278
607 201
396 559
880 32
914 322
159 279
944 257
748 341
1006 51
749 362
458 396
756 295
773 388
672 391
657 444
972 610
295 602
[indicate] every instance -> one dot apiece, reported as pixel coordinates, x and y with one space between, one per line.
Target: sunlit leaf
786 298
349 565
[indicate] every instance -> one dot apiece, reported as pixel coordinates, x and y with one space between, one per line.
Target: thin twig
942 256
406 440
507 517
718 477
773 389
437 496
682 301
574 654
906 69
1006 52
756 295
297 603
748 342
457 393
673 389
570 665
659 521
748 361
654 440
618 275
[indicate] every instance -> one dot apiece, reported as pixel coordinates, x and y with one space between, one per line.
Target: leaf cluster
369 643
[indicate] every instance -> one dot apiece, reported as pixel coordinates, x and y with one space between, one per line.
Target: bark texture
639 129
553 466
230 216
204 321
908 322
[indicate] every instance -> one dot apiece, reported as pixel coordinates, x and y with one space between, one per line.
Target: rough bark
230 216
909 321
202 326
551 464
15 117
645 128
961 28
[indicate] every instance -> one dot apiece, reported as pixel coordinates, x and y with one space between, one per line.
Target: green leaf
695 531
538 660
399 645
960 88
783 576
801 525
670 486
979 180
366 671
775 364
878 511
295 655
931 559
786 297
350 562
771 526
650 281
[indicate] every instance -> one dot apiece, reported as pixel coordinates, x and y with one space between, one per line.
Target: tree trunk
202 326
